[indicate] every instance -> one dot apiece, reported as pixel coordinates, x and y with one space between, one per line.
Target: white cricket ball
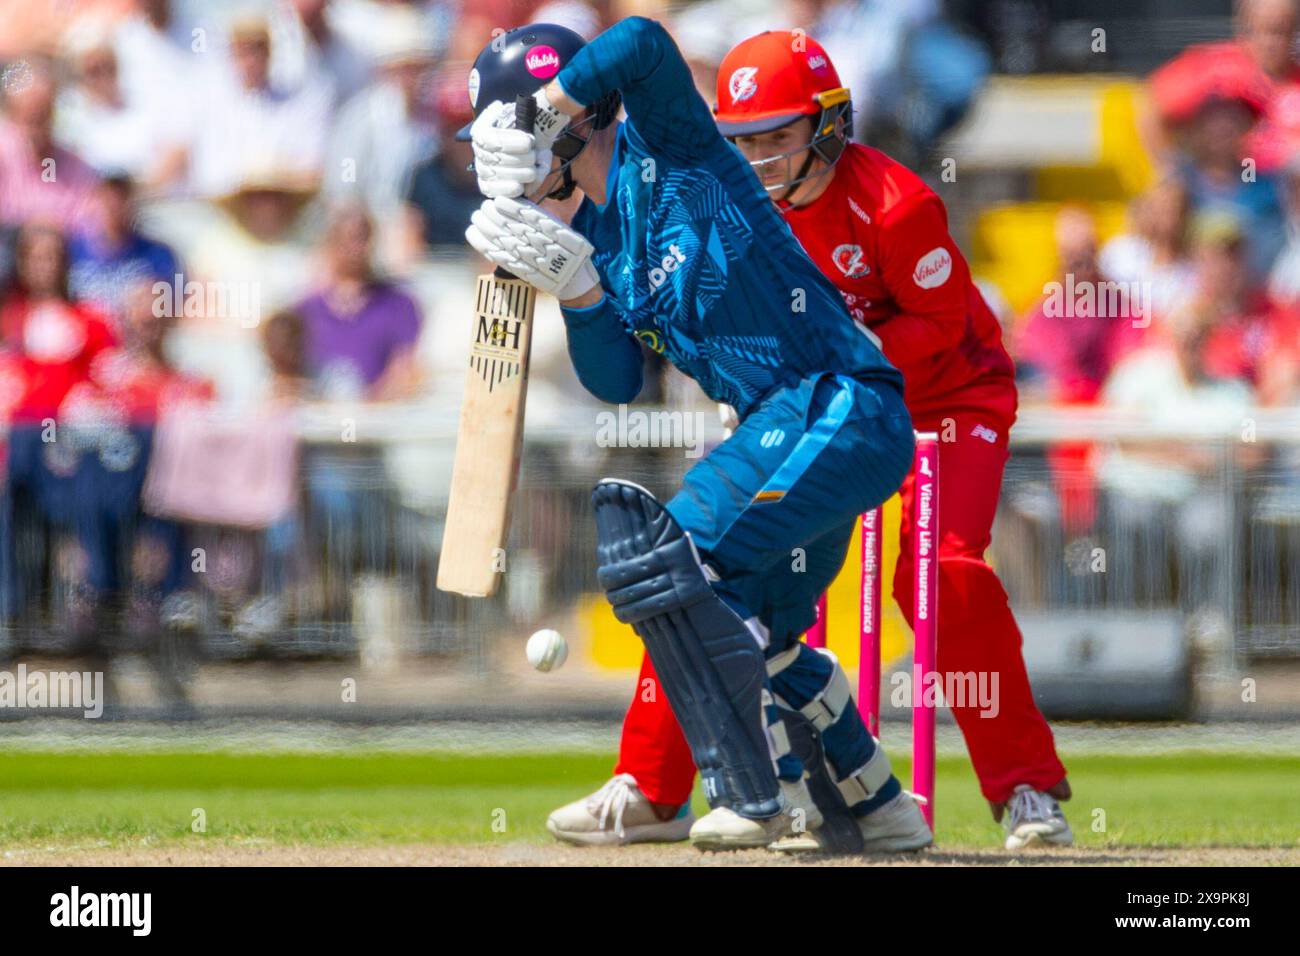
547 650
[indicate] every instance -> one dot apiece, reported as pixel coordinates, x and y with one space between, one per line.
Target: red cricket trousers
1010 742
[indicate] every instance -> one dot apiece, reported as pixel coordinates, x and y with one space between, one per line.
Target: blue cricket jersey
694 258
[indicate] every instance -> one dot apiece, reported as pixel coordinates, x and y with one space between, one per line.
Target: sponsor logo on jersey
651 339
848 258
772 438
985 433
817 62
667 265
933 268
859 211
473 88
542 62
743 83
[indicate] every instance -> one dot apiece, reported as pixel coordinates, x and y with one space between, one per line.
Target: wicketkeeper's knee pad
708 662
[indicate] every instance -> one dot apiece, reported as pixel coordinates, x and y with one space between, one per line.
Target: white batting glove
532 244
505 159
508 160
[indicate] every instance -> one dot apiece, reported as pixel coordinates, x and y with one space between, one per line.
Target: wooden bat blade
489 439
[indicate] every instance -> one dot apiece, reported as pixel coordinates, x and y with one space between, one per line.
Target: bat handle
525 117
525 112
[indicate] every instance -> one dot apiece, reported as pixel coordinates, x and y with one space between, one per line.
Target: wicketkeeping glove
532 244
506 159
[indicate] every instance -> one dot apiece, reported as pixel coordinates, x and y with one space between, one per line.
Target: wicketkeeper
676 244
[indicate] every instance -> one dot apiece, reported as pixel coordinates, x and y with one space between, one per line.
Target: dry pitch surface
518 854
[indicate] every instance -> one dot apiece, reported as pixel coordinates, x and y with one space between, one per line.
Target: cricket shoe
617 814
1033 818
894 827
724 829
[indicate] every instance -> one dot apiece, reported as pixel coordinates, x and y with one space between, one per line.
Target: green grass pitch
53 799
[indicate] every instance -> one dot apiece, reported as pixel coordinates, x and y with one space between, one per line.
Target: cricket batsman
676 244
881 236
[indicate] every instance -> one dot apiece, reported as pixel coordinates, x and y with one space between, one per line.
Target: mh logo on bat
495 355
502 333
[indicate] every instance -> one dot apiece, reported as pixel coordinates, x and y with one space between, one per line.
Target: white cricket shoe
724 829
617 814
896 826
1034 817
893 827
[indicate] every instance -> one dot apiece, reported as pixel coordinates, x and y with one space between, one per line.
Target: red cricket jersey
881 236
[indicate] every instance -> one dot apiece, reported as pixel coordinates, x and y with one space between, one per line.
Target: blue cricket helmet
522 60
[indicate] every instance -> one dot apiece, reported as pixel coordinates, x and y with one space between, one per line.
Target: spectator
109 256
1259 65
51 468
92 117
1165 497
384 132
282 340
138 375
1216 178
56 337
444 191
39 180
252 254
134 384
248 121
156 53
1065 350
306 50
1154 251
359 332
1228 317
704 33
1066 347
256 240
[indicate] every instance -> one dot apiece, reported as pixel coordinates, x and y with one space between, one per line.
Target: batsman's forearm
625 55
606 359
638 58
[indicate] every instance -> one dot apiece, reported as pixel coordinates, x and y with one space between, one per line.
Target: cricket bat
490 436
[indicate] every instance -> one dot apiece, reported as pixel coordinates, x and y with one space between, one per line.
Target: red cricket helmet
776 78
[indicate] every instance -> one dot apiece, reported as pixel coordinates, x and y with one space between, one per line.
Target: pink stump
816 636
925 554
869 623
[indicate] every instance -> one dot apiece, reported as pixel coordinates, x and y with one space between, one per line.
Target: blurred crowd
213 213
235 206
1204 311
